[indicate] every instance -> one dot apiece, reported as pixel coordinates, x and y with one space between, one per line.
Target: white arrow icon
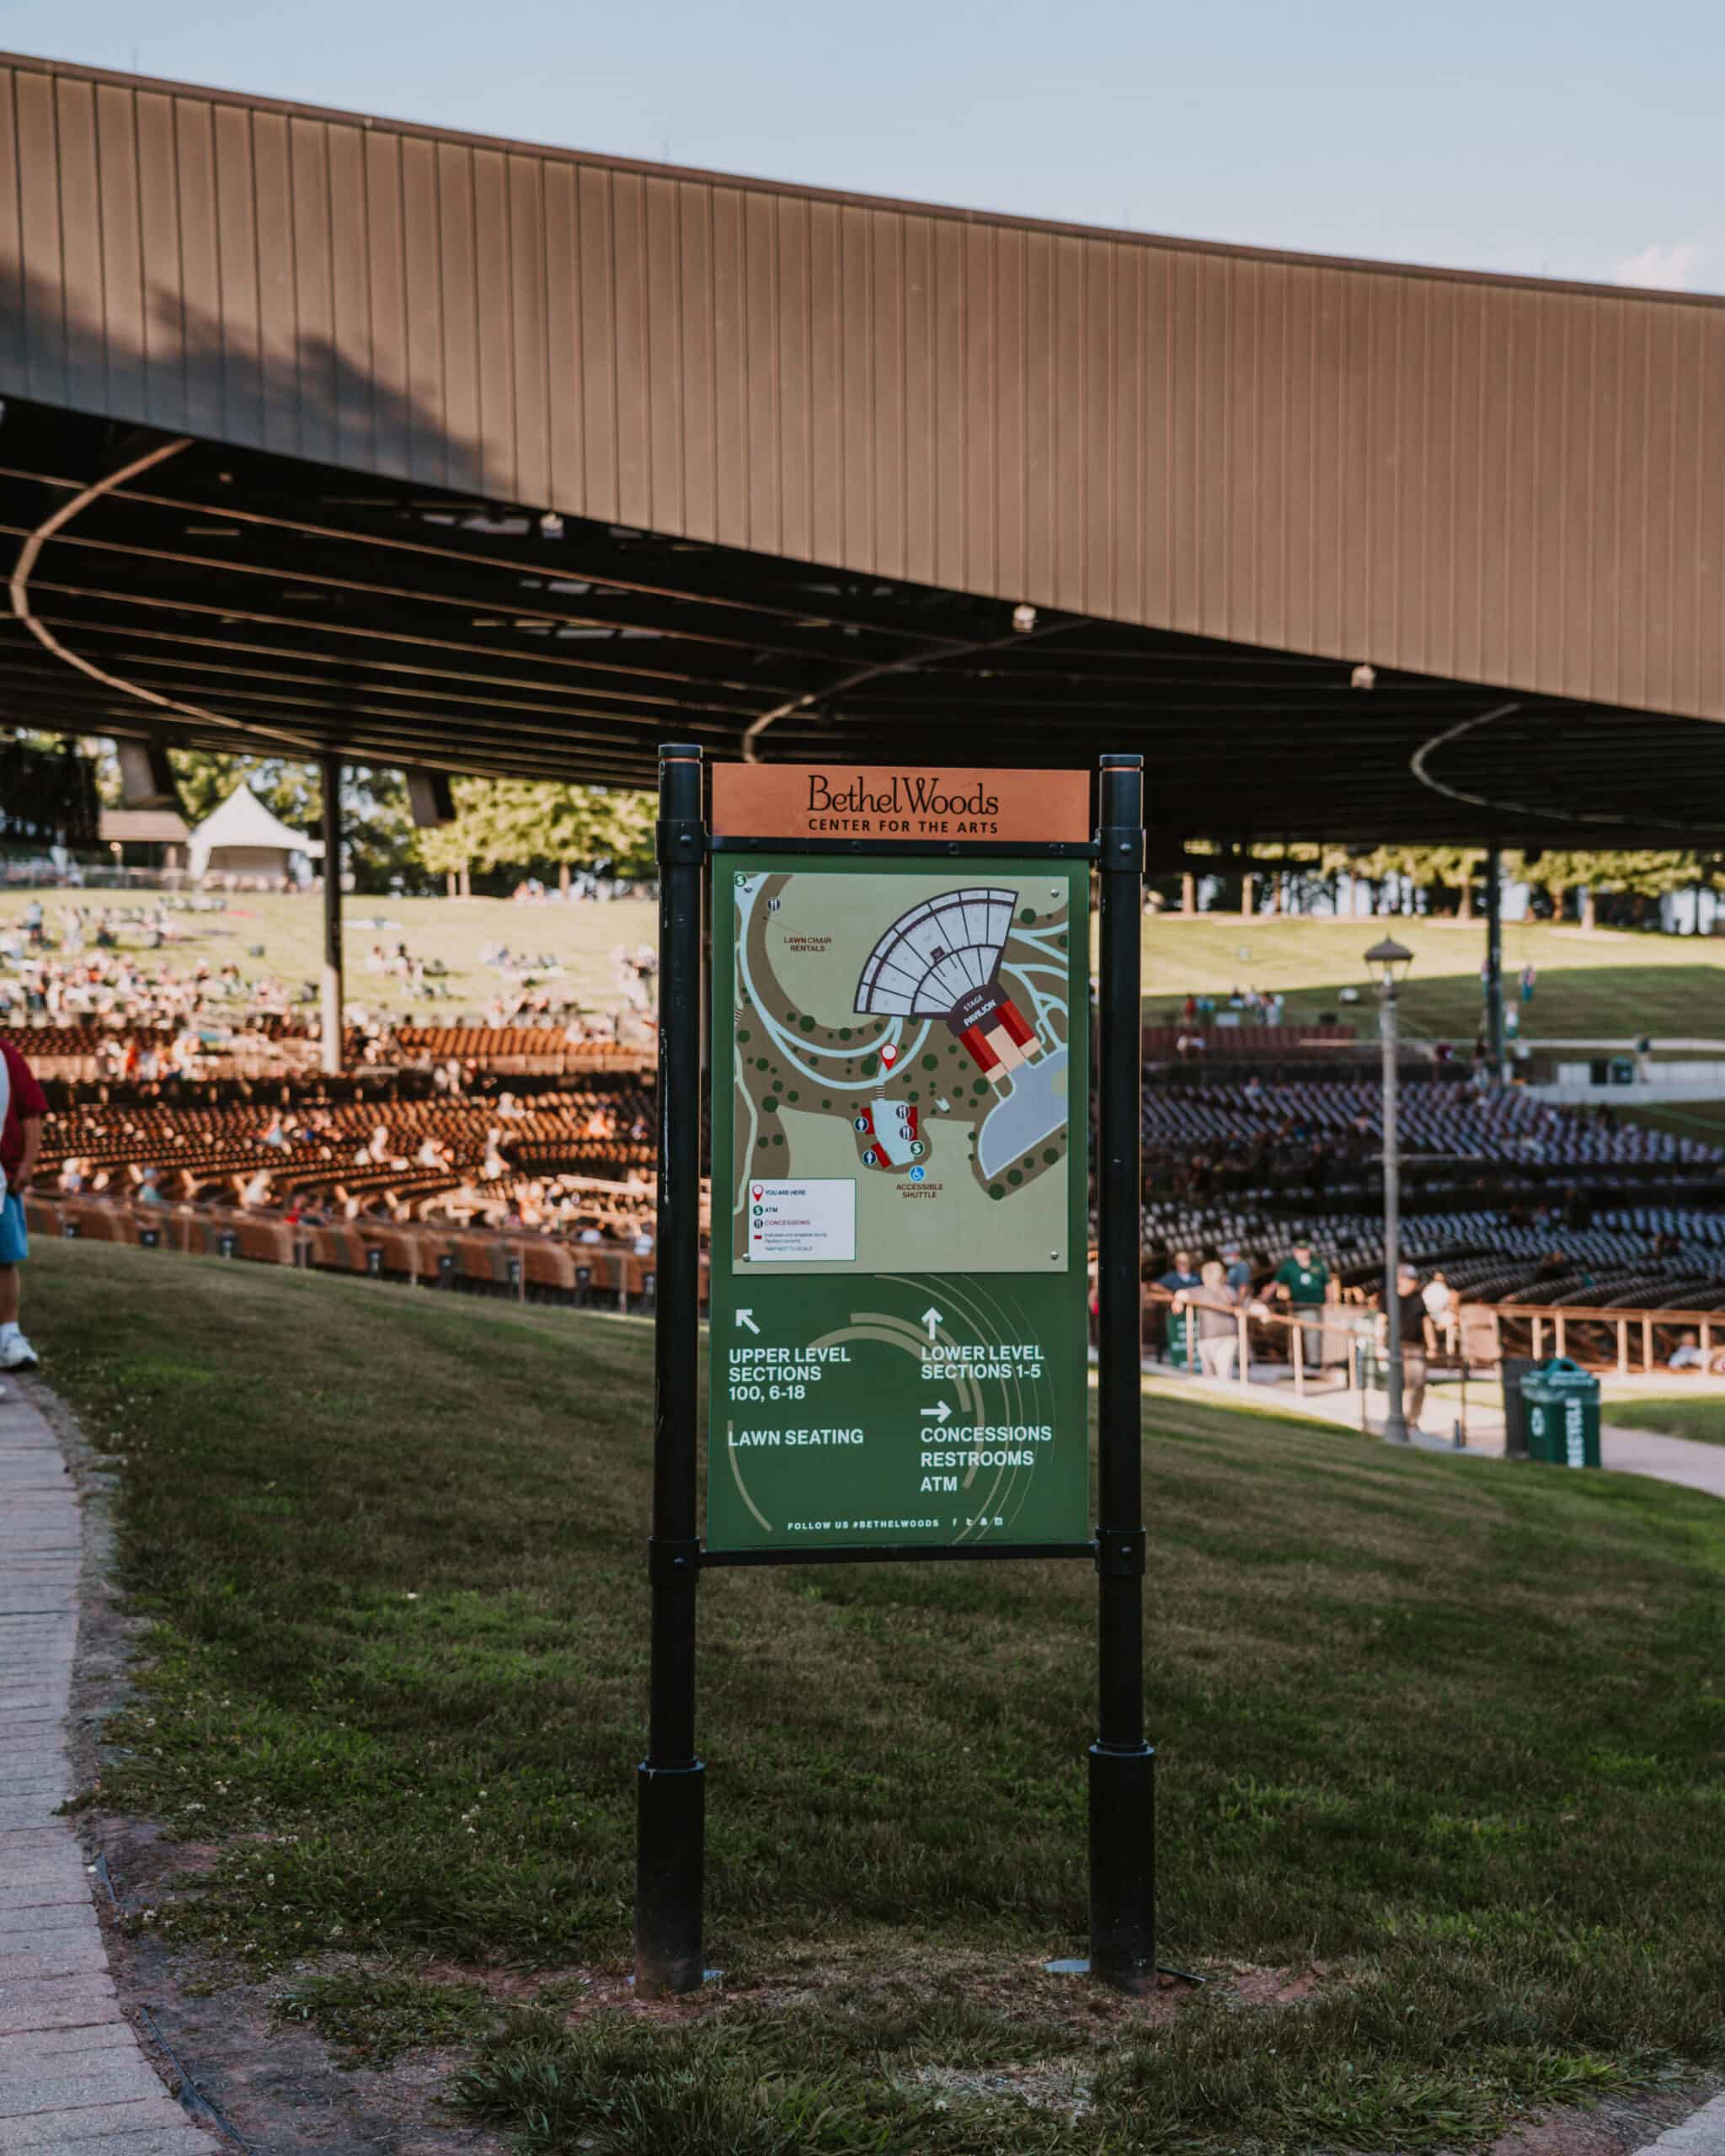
747 1317
940 1411
932 1317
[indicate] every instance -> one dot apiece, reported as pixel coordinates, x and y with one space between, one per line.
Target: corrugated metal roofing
1499 481
143 827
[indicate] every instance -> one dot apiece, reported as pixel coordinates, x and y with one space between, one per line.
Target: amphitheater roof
143 827
328 431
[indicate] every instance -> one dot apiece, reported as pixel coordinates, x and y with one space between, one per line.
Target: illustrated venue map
899 1344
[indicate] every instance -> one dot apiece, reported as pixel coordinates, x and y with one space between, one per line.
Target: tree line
504 829
1591 886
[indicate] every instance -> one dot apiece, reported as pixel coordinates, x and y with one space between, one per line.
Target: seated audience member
1687 1355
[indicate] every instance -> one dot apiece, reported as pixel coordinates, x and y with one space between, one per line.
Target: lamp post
1389 962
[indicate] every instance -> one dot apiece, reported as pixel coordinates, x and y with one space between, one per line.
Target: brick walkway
72 2075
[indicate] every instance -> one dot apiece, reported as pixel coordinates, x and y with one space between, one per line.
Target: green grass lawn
1702 1418
1443 1756
581 938
1608 985
1612 984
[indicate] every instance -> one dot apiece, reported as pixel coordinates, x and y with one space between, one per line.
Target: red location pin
889 1054
759 1192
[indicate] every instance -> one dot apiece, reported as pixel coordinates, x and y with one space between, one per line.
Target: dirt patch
1618 2125
274 2083
1252 1984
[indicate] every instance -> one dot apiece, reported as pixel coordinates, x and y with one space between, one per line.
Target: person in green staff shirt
1303 1283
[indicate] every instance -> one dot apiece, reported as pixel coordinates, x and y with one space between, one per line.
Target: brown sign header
898 801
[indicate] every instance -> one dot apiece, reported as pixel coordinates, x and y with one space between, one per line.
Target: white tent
243 838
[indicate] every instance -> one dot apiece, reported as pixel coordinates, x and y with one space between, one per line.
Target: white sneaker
18 1355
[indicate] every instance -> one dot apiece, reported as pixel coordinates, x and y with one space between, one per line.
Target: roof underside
235 600
289 395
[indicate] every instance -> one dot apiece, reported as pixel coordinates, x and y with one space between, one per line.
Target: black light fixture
1389 961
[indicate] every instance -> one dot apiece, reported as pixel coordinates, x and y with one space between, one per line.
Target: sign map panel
899 1221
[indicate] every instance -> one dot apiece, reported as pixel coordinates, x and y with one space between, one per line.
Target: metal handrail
1583 1313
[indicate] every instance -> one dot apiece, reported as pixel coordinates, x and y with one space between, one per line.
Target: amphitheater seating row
482 1044
1160 1041
528 1267
485 1043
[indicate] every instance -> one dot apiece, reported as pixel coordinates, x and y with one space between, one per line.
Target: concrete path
1683 1461
72 2075
1667 1460
1685 1041
1702 2133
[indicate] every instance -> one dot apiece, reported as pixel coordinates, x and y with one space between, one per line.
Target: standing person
1303 1282
1440 1307
1218 1328
1419 1339
1181 1275
1528 978
1236 1271
22 1104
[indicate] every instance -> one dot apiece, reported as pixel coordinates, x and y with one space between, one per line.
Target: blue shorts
14 1243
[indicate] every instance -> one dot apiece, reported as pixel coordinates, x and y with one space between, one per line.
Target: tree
1445 869
1640 875
536 827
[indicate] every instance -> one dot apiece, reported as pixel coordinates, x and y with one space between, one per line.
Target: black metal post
1122 1765
670 1781
1494 963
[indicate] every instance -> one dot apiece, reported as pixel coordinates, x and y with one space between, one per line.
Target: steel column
332 996
1494 963
670 1780
1122 1765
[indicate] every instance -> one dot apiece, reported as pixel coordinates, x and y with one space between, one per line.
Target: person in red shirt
22 1104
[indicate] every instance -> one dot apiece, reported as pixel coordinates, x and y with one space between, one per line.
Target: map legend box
789 1221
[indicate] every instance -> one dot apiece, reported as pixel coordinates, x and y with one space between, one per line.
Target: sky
1575 140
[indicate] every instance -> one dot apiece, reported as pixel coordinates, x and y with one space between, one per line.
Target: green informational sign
899 1341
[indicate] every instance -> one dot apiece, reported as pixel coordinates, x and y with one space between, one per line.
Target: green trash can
1561 1403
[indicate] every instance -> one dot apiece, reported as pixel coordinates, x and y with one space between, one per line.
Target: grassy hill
1443 1755
1702 1417
581 938
1611 984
